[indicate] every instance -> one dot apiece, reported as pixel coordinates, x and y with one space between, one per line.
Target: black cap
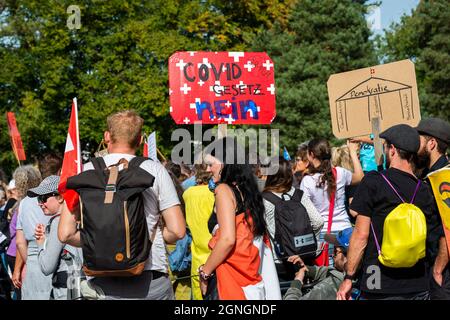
435 127
402 137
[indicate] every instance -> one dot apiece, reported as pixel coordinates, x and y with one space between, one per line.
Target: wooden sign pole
377 141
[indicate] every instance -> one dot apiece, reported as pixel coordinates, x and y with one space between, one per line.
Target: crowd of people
317 229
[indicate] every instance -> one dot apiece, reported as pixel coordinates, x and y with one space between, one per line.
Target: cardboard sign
387 92
221 88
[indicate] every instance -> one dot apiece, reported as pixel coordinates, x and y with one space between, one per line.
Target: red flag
145 151
72 159
16 141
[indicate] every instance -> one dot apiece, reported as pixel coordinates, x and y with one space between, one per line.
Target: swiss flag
72 159
145 151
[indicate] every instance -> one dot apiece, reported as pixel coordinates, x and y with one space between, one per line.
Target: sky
391 11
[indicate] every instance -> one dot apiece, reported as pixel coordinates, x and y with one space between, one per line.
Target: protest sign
440 184
387 93
221 88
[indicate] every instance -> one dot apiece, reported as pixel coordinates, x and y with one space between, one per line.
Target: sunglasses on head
43 198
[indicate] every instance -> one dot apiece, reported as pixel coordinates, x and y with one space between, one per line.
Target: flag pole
77 136
161 155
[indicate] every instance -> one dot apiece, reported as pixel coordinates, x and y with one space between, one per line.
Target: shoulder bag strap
392 187
376 239
415 191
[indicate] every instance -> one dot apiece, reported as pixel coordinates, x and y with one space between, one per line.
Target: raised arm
358 173
67 228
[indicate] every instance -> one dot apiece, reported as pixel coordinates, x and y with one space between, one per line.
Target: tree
322 38
423 38
116 60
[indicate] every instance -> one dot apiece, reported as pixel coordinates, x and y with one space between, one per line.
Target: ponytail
321 150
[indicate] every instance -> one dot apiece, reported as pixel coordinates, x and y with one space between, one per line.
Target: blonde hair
26 177
125 126
340 157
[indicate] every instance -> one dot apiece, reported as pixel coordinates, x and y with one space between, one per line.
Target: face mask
212 185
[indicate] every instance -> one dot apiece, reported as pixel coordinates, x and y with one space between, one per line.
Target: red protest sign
16 141
221 88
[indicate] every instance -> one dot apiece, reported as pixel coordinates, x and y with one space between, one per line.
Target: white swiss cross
242 84
249 66
205 62
230 119
69 144
236 55
200 83
268 65
194 105
191 53
186 120
181 64
185 88
217 87
271 89
228 104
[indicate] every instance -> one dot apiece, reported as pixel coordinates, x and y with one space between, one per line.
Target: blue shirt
30 214
367 157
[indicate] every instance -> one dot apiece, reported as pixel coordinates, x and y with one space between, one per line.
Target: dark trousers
11 263
5 281
440 292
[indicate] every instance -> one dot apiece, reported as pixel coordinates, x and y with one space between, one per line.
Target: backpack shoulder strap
298 195
269 196
49 224
415 191
137 161
393 188
98 163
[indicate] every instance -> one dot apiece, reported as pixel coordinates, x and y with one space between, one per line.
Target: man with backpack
395 213
128 208
434 142
325 281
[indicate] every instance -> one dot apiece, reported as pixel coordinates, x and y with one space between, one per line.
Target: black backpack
293 231
113 227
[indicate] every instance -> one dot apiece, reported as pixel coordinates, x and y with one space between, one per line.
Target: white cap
12 184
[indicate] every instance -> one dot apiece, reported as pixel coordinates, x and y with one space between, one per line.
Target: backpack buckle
110 187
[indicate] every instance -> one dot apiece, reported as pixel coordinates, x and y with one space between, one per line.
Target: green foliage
424 38
323 37
116 60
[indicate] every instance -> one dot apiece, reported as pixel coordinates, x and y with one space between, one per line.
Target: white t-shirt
156 199
319 198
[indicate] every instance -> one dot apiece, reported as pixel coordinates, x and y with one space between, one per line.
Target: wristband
204 276
349 277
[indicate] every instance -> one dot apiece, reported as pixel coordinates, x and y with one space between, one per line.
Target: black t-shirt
375 199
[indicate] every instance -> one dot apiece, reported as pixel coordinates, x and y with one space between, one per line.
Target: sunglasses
43 198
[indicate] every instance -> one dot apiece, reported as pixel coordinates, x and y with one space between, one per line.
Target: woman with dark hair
300 169
281 184
325 185
239 243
